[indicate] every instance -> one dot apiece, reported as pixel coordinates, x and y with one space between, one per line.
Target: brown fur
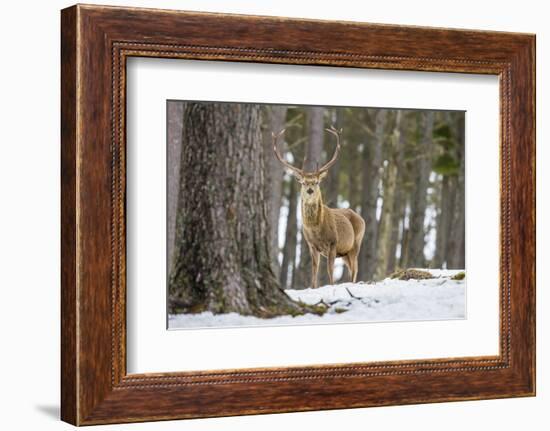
331 232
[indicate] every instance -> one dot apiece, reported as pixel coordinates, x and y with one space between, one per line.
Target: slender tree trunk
386 229
444 221
222 261
405 231
372 159
416 242
311 163
440 222
396 218
175 125
353 177
399 213
355 139
332 182
275 122
457 245
289 249
314 146
331 185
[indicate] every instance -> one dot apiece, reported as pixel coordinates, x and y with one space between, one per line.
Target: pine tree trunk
222 261
444 221
404 235
396 218
353 183
372 160
398 229
457 245
175 125
330 196
311 163
289 249
274 122
416 240
390 203
332 182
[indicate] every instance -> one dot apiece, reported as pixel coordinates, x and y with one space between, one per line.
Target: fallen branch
353 296
322 302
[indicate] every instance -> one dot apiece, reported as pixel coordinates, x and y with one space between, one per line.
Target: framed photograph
264 214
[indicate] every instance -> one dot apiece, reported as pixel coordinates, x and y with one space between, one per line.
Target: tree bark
390 207
311 163
372 160
223 262
405 219
457 244
416 240
275 122
353 178
314 146
289 250
444 221
175 125
333 179
331 185
396 218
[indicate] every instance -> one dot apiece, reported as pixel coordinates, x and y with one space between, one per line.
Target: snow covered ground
438 298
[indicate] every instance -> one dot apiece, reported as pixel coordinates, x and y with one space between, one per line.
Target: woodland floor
438 298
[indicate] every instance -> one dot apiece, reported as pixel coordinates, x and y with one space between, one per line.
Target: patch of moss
411 274
459 276
340 310
319 310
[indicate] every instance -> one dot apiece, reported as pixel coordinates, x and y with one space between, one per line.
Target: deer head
310 181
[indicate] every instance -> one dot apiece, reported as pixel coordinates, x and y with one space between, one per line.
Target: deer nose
309 191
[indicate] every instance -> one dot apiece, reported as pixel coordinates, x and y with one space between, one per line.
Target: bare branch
352 295
363 126
297 143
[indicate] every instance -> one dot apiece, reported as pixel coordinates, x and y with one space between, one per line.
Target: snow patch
389 300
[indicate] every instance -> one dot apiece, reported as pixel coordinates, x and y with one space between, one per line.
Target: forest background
402 170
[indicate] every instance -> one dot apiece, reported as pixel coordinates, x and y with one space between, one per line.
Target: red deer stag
331 232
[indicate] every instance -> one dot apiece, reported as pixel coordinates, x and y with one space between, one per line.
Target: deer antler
332 161
294 169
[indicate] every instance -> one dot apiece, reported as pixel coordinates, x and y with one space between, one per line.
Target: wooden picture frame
95 43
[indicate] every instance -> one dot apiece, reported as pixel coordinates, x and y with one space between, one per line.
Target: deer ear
322 175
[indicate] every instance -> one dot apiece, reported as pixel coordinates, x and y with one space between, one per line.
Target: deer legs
331 257
349 266
314 266
330 264
353 260
351 263
350 260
